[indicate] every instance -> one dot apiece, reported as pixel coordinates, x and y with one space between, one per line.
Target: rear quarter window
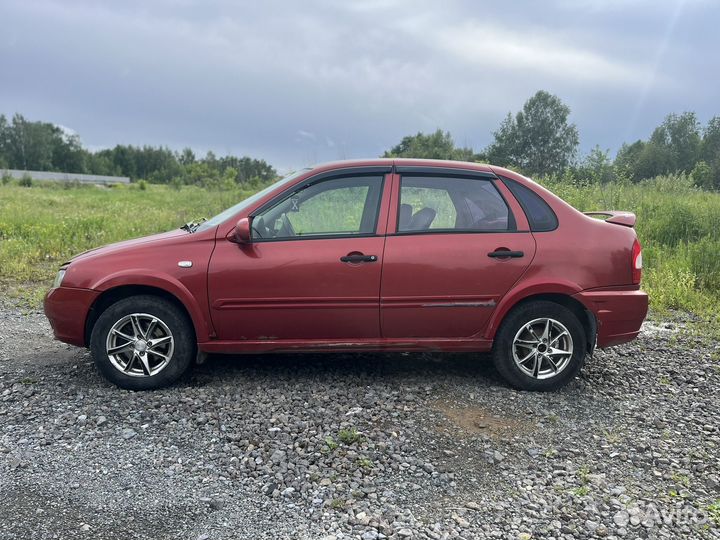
539 214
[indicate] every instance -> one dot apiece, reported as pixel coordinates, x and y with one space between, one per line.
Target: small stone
405 533
621 518
461 521
128 433
101 421
82 419
369 535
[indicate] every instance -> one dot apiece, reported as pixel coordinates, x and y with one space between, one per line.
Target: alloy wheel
542 348
140 345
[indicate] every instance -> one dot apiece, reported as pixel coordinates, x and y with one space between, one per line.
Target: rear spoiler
619 218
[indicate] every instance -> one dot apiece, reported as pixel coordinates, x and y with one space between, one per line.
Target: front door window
331 208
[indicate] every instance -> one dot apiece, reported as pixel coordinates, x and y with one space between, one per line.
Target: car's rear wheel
540 346
142 343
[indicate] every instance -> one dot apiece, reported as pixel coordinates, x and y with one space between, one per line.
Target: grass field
44 225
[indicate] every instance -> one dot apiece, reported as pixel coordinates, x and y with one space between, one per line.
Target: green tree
710 149
680 139
627 158
675 145
100 163
437 145
702 175
68 155
4 142
30 144
538 139
186 157
597 167
247 169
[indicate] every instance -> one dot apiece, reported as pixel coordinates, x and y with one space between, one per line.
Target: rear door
457 242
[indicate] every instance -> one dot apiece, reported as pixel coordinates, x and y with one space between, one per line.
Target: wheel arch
586 317
118 292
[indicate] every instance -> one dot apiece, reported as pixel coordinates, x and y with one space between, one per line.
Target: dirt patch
474 419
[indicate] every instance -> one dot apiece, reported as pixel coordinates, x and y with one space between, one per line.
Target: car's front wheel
540 346
142 343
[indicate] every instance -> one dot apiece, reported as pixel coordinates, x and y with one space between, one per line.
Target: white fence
66 177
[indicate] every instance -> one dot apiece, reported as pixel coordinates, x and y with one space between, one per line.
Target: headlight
59 278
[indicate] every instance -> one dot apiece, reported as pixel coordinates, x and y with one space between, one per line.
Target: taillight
636 262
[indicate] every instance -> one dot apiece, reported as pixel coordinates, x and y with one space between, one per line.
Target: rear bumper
67 310
619 313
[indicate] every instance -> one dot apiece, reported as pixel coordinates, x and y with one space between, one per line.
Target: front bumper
67 309
619 313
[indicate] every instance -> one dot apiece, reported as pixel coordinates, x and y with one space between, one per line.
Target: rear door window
433 204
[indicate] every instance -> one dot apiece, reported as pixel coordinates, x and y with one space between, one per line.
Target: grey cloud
252 77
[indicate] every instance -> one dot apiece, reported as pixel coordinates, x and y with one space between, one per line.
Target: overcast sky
315 80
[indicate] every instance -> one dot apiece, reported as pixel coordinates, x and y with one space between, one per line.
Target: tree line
540 140
42 146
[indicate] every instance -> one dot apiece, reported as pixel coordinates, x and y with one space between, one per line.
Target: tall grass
44 225
679 228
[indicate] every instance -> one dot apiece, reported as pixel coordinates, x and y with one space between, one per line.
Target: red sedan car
378 255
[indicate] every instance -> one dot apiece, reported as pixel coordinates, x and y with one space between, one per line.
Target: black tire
515 321
181 330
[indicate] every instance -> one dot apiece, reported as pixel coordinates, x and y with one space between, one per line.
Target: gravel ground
359 446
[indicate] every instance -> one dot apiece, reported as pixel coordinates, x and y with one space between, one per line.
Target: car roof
408 162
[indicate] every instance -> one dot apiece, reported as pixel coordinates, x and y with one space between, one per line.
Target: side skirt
376 345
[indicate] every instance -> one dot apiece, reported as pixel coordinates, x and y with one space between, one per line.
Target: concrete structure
67 177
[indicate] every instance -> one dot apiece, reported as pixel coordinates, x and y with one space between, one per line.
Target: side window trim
453 173
360 172
319 177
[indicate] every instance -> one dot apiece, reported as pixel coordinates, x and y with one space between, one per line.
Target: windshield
226 214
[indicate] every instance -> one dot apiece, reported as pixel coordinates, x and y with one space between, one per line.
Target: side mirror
241 233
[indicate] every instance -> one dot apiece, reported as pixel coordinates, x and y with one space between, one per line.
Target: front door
313 268
455 252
